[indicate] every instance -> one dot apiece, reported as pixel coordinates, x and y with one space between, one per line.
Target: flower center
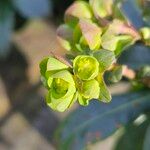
86 68
59 87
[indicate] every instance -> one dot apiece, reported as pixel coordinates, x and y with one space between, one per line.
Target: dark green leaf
133 13
104 94
105 58
115 75
136 56
123 43
43 66
99 120
133 136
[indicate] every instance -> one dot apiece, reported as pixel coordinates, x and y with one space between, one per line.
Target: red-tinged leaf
91 32
64 36
79 9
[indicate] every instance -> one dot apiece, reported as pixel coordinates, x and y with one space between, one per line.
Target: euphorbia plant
94 34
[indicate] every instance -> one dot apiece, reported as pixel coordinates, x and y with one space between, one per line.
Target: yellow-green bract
85 67
59 82
62 91
82 82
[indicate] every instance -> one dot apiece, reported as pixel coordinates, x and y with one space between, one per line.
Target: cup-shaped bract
85 67
62 92
89 90
59 82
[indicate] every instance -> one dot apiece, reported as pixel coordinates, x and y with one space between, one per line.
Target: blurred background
27 35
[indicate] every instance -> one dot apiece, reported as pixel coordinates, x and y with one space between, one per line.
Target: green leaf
83 101
116 43
105 59
101 8
133 134
115 75
98 121
65 36
77 34
135 56
74 13
43 66
123 42
53 64
43 69
91 32
104 95
90 89
118 36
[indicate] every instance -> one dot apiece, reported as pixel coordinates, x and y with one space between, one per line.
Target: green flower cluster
95 34
65 84
89 27
59 82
